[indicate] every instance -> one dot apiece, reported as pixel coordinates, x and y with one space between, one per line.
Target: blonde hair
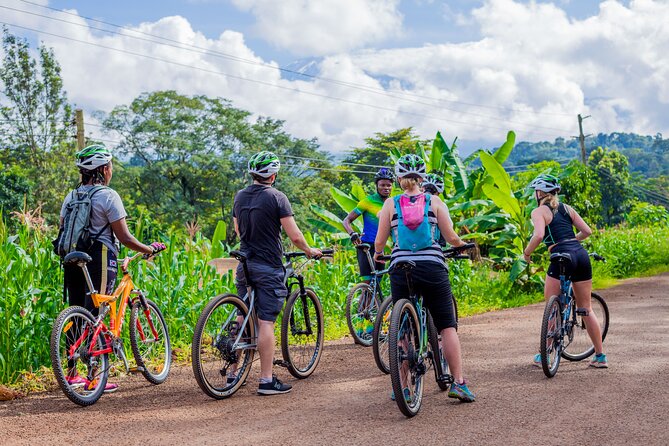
409 182
552 200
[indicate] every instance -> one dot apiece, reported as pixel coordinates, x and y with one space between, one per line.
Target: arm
539 222
122 233
234 220
445 223
290 226
348 220
580 224
384 229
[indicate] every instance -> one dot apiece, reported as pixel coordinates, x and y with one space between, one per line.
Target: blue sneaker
537 360
599 361
407 395
461 392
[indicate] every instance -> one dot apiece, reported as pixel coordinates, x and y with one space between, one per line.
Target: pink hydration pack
414 231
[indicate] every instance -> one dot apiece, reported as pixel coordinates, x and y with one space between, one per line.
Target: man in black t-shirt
259 213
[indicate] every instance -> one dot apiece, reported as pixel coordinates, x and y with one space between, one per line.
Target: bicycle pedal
280 363
448 379
136 369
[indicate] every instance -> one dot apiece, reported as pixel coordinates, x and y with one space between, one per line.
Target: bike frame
108 304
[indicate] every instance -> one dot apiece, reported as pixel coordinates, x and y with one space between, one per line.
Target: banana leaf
329 218
344 200
451 158
220 234
323 226
505 201
467 205
358 192
504 151
495 169
437 155
519 266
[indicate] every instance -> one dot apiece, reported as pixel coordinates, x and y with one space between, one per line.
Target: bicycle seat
363 246
240 256
76 258
405 264
561 257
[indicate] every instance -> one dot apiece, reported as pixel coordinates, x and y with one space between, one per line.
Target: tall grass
181 282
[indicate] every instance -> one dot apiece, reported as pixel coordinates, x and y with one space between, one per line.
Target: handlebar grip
384 258
597 257
327 252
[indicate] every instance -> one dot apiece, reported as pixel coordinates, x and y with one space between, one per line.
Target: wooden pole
79 119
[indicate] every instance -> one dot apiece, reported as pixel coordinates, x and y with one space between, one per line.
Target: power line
186 46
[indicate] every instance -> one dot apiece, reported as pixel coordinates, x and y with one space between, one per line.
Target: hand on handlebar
355 238
156 247
314 253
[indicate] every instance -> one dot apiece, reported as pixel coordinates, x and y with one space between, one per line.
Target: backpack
414 232
74 234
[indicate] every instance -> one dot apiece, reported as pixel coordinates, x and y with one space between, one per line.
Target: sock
265 380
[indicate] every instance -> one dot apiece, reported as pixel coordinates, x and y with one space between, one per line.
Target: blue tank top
561 228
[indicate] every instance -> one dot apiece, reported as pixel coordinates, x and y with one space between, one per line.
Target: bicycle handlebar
328 252
455 251
597 257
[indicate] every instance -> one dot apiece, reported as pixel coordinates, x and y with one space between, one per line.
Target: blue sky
471 69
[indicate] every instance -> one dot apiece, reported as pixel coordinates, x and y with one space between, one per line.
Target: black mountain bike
225 339
363 302
414 344
563 331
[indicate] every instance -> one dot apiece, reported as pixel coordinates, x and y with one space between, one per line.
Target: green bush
646 214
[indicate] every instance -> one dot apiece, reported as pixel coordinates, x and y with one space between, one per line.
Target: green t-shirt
369 208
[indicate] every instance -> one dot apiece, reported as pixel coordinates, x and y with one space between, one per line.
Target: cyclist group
417 219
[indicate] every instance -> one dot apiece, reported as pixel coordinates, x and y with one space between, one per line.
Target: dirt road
346 401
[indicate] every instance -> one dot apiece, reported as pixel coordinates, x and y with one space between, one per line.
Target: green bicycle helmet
434 180
410 165
93 156
264 164
546 183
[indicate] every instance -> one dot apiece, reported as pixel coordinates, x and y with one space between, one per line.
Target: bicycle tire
600 307
438 359
551 333
302 360
362 327
209 350
380 336
155 368
64 322
405 320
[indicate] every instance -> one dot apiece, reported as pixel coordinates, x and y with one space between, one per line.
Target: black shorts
363 264
270 289
430 279
579 270
103 270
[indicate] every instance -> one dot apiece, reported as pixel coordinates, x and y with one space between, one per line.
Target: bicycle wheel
150 342
81 376
551 337
404 355
380 336
441 370
219 368
580 346
302 333
362 306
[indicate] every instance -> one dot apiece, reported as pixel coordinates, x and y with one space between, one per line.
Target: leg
551 287
451 349
266 345
582 292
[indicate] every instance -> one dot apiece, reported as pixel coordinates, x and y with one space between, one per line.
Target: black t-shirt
259 210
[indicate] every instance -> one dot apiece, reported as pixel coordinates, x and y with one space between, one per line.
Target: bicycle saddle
405 264
561 257
77 257
240 256
363 246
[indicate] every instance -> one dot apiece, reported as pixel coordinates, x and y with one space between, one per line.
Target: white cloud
316 28
532 71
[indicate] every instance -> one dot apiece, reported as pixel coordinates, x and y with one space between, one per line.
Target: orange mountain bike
81 342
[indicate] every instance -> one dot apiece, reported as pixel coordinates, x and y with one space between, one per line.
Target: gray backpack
75 233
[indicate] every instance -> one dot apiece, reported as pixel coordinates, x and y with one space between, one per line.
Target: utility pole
581 137
79 120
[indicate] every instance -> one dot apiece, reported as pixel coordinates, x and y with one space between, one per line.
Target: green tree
188 156
37 119
612 171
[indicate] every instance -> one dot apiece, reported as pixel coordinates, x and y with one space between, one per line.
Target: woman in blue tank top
413 218
554 224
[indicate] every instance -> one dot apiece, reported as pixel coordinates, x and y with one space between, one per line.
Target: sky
471 69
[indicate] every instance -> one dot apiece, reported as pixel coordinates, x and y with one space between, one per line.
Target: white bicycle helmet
93 156
410 165
264 164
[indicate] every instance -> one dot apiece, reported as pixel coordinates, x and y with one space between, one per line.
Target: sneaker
75 381
537 360
599 361
461 392
109 387
273 388
407 395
